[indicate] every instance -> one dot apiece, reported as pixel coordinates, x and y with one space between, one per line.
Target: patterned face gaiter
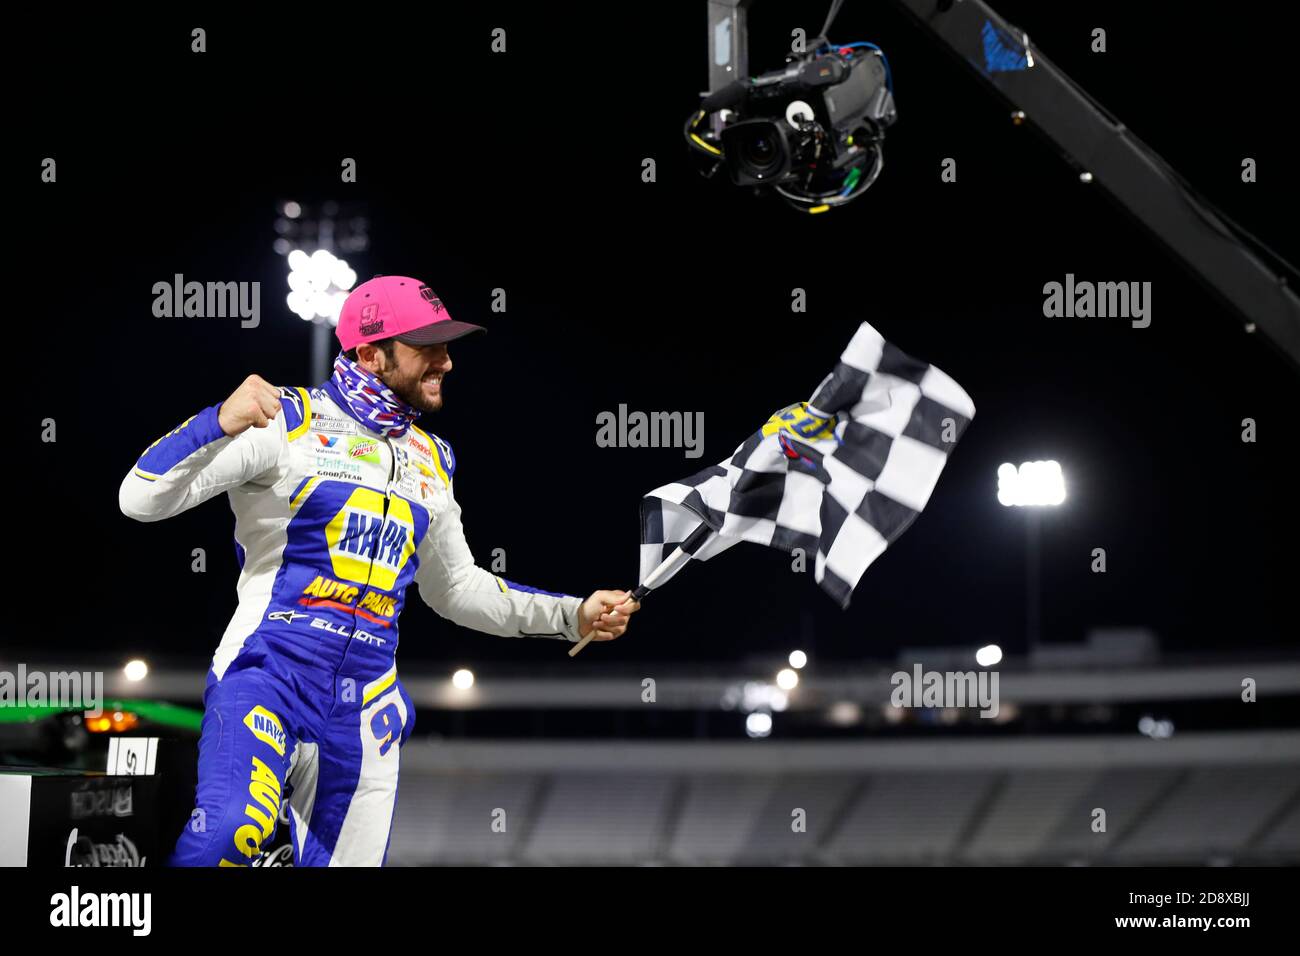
373 403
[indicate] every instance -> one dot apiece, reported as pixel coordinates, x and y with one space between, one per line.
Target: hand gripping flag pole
667 568
839 477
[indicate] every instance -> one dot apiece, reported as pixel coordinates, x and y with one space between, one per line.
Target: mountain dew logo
363 449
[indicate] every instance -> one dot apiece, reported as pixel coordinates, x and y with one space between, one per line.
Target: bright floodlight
318 284
787 679
758 725
988 655
845 713
342 275
1034 484
463 679
292 210
136 670
1156 729
798 659
757 695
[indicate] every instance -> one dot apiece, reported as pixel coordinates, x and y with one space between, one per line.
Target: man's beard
413 394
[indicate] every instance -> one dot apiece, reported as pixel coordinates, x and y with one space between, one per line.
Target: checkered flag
840 476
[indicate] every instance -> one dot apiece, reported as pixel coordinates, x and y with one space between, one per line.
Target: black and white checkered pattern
840 476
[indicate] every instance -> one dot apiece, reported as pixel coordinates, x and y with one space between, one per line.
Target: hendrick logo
371 323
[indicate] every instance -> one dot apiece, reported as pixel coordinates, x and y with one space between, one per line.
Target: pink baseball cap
397 307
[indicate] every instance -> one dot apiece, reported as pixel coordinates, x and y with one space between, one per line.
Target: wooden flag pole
667 568
638 595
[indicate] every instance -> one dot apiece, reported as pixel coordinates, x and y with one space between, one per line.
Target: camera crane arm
1239 268
1242 270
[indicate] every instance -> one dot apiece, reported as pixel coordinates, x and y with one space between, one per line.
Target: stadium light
135 670
463 679
1035 484
318 285
845 713
988 655
312 237
1156 729
798 659
758 725
787 679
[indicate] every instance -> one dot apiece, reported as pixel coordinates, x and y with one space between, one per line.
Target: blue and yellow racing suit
332 522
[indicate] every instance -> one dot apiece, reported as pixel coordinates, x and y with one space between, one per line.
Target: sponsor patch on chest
426 489
331 425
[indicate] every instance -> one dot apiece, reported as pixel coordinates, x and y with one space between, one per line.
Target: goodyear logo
266 727
363 449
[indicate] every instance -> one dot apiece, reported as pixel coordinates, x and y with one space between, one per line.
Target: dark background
522 171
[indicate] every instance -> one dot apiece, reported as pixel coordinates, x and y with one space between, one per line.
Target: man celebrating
340 503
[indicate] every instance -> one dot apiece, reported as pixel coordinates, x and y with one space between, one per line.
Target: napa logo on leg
263 809
266 727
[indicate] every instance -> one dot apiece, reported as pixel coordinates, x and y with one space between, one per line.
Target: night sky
522 171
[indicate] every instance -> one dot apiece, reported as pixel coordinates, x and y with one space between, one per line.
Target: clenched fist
255 403
608 613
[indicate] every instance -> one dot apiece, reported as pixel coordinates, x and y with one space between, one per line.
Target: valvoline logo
266 727
328 441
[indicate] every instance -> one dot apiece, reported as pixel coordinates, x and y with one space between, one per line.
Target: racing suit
332 522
